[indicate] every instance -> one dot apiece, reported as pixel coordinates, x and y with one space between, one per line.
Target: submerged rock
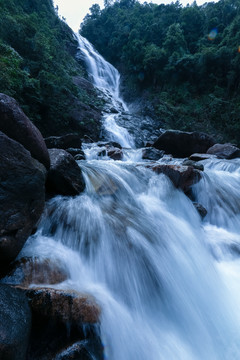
64 142
150 153
115 153
109 144
201 210
183 144
75 351
182 177
16 125
65 176
224 151
15 324
22 194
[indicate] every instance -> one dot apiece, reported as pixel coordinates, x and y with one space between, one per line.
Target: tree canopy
187 59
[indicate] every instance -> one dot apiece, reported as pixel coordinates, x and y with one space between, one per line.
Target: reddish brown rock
27 271
65 306
115 153
182 177
16 125
224 151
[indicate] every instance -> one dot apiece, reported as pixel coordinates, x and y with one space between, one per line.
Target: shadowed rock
22 194
183 144
65 176
15 324
64 142
16 125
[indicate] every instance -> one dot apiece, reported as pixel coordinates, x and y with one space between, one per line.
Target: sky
75 10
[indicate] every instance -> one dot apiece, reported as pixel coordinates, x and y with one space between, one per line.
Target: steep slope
182 61
39 69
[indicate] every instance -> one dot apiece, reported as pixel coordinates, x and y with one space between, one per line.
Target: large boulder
22 196
15 324
65 176
65 325
64 142
183 144
224 151
182 177
16 125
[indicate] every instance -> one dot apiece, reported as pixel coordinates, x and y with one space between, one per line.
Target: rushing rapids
168 283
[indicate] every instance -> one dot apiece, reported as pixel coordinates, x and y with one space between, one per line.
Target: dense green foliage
37 63
186 60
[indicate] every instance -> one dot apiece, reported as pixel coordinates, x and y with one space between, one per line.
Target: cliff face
38 68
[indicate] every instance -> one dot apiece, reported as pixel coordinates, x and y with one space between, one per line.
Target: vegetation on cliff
184 60
37 66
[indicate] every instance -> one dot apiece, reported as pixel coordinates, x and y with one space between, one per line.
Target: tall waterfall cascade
168 282
106 78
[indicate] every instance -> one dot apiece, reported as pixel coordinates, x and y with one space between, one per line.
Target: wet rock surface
16 125
15 324
224 151
64 177
150 153
22 194
183 144
65 306
115 153
194 164
182 177
200 157
27 271
76 351
65 325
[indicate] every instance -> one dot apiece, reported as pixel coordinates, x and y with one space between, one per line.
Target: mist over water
168 283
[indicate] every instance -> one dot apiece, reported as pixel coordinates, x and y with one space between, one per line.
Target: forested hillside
38 68
185 61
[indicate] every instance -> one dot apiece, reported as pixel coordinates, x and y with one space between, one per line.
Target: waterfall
107 79
168 283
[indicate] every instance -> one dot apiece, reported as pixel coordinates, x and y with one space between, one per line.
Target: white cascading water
167 282
106 78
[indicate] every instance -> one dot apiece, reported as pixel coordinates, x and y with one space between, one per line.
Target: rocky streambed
38 318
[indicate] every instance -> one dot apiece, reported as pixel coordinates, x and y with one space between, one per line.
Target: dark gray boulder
224 151
15 323
22 196
65 176
183 144
64 142
16 125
